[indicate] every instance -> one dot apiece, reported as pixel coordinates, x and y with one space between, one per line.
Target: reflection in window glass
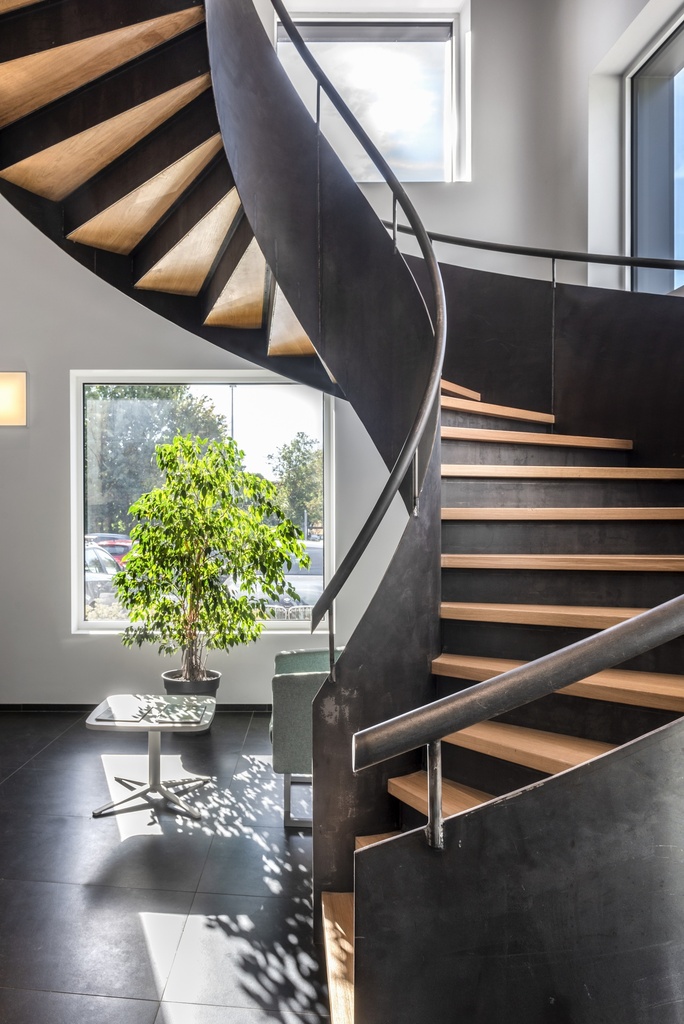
278 426
658 164
397 81
679 175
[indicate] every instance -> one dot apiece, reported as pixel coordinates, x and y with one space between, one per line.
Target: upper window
398 78
279 426
658 164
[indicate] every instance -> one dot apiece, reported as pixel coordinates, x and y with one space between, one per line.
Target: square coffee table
154 713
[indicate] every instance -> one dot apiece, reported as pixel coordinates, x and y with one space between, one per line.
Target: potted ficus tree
211 549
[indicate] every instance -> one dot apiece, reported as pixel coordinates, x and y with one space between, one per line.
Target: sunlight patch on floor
162 935
140 818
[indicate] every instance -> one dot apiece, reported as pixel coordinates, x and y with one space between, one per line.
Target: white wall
532 62
57 316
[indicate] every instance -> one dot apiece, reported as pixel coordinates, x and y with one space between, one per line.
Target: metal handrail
560 255
520 685
410 446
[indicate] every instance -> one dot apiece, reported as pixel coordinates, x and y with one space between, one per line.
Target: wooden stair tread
545 751
503 513
500 411
59 169
565 472
30 82
361 842
450 388
621 686
11 5
528 437
124 224
338 937
286 336
241 303
186 266
412 790
580 563
582 616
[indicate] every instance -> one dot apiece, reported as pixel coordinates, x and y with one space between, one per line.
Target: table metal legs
155 784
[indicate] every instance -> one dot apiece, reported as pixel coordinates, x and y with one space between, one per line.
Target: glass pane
679 175
278 426
399 91
658 165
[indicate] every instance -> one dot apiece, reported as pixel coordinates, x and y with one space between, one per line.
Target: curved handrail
560 255
520 685
410 446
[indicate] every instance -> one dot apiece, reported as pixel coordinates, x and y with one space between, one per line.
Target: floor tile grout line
199 877
47 746
254 728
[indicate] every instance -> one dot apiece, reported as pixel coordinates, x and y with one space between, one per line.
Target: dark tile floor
148 916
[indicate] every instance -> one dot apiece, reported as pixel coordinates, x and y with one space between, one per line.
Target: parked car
307 582
117 544
100 568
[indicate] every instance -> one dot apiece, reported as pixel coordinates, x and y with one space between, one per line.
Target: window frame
80 378
460 70
643 279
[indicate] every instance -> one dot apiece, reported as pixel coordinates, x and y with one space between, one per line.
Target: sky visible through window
400 94
264 417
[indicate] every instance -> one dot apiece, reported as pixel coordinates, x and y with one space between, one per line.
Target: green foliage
123 425
211 548
298 467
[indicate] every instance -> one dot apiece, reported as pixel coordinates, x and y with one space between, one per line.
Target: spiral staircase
111 145
160 144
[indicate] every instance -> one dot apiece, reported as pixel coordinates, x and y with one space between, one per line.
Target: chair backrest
313 660
298 677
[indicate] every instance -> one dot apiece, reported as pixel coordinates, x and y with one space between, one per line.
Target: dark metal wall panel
614 368
384 671
561 905
619 369
499 335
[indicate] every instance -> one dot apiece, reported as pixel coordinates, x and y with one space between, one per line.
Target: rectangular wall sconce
13 399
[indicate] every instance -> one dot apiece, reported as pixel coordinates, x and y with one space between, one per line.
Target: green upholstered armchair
298 677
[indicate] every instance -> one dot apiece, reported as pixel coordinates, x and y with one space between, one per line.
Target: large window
658 164
398 79
279 426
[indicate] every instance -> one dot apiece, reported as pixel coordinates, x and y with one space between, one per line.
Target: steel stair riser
637 590
567 538
454 418
492 453
525 643
470 492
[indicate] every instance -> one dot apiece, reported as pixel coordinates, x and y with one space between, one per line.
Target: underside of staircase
110 143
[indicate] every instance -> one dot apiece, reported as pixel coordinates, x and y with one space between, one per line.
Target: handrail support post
331 641
435 825
416 484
